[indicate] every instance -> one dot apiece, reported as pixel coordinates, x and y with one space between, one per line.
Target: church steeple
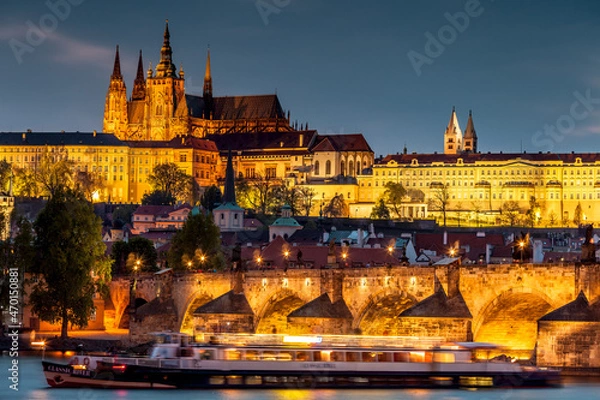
139 84
470 137
165 67
207 90
117 67
115 107
453 136
229 190
207 77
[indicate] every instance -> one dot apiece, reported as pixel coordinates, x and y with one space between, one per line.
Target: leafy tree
394 194
380 211
70 261
211 198
123 213
533 212
416 195
54 173
306 197
26 184
441 199
172 180
577 215
552 218
125 254
197 243
510 211
337 207
89 183
5 174
158 198
259 193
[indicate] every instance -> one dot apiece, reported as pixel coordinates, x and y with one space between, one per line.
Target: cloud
75 52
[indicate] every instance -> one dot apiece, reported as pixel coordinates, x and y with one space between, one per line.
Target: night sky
529 70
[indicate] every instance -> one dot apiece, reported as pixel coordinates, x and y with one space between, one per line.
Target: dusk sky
529 70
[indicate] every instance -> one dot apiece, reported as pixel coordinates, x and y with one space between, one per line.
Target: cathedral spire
470 137
453 137
229 192
165 67
207 77
117 67
139 84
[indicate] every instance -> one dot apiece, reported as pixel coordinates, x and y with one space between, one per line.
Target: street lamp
521 246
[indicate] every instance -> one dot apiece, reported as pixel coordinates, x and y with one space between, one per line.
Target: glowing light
302 339
307 281
363 282
95 195
390 249
265 281
284 282
344 255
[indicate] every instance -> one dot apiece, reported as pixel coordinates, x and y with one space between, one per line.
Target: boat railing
318 340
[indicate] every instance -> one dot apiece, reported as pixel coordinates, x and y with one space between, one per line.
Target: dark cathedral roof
58 139
238 107
342 142
282 142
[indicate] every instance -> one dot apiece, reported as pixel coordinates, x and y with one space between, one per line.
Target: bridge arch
197 299
272 316
124 316
379 314
510 319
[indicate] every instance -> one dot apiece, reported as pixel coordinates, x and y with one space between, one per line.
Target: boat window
443 357
401 356
268 355
337 356
384 357
206 354
251 355
369 356
187 352
352 356
303 356
285 356
233 355
420 356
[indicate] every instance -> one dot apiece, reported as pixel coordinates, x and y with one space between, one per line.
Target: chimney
24 136
94 133
301 140
445 242
361 240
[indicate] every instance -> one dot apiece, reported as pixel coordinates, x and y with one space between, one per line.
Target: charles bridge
495 303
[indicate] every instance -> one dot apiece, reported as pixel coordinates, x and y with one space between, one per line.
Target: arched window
350 168
328 167
342 168
316 168
358 168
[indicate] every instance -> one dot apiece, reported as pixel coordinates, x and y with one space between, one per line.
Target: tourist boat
301 362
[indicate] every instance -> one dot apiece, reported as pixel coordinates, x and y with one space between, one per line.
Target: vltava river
32 386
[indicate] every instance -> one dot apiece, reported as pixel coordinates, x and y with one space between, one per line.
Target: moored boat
302 362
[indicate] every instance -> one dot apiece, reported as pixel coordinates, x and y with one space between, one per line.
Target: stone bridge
496 303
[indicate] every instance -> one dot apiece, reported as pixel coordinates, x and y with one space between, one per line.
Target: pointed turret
115 107
470 137
117 67
207 90
139 84
453 136
165 67
229 190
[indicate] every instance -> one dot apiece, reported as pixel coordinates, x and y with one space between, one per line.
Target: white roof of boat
478 345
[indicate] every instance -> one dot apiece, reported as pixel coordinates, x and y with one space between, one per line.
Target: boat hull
109 375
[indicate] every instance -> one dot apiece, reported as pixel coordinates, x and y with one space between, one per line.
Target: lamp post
521 246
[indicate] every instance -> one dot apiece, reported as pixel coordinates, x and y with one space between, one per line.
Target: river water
33 386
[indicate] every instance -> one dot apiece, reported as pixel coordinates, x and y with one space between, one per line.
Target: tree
138 248
70 261
211 198
380 211
337 207
171 180
89 183
394 194
197 243
306 197
5 174
54 173
533 213
577 215
441 199
158 198
510 212
259 193
26 184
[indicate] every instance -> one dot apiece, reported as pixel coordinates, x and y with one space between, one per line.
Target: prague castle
159 122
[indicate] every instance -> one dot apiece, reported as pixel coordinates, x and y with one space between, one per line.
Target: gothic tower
229 217
139 84
470 138
115 108
453 136
166 111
